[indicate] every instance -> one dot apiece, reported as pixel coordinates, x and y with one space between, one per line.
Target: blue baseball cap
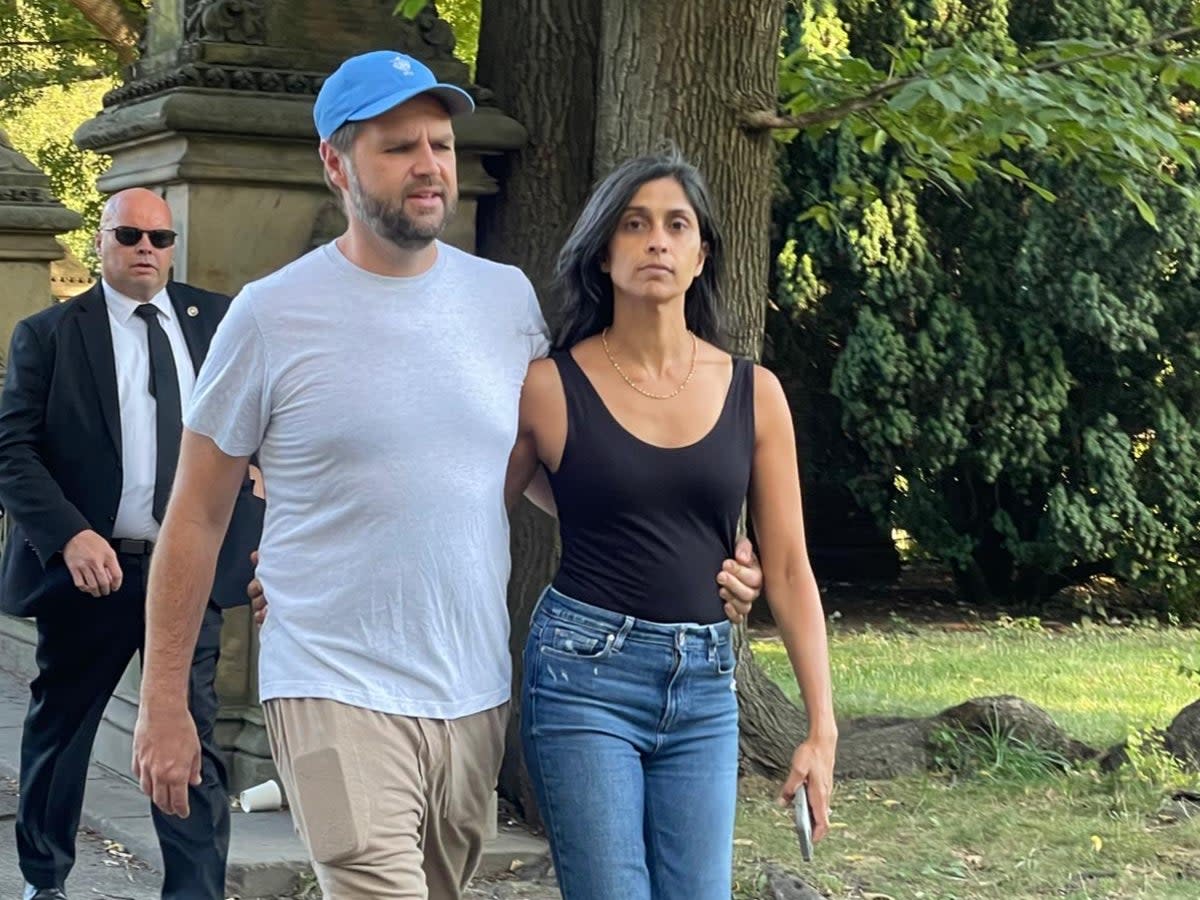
372 83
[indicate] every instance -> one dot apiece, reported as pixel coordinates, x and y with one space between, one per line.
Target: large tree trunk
526 50
595 83
770 725
686 72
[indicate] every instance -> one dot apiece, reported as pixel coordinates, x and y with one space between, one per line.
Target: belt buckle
133 547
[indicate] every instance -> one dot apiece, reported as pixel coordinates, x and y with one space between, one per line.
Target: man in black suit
90 422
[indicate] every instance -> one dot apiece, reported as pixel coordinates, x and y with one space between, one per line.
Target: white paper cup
262 797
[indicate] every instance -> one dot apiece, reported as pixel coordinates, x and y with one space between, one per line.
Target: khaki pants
389 807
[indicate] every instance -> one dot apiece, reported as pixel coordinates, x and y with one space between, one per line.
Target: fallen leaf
1097 843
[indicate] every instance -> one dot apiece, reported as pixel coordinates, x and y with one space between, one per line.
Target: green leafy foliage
1014 383
951 111
50 43
42 131
463 17
54 70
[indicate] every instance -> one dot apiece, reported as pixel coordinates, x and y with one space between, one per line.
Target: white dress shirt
139 441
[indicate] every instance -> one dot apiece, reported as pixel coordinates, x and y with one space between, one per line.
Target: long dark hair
587 291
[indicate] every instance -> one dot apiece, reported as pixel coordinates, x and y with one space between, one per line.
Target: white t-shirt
383 411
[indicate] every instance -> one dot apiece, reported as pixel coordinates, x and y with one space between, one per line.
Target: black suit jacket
60 445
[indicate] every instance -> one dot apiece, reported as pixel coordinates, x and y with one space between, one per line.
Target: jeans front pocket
567 640
726 660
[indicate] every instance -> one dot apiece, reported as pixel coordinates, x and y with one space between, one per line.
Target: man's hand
93 564
166 757
741 581
254 590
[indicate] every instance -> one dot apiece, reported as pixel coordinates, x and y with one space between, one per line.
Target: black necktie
168 417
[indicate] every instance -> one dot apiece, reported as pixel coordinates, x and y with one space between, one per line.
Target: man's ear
335 166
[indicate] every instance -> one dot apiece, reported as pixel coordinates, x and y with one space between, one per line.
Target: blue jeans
630 731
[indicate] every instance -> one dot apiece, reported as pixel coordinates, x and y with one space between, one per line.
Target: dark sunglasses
128 236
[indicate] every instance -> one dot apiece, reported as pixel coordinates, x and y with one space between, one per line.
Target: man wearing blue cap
378 379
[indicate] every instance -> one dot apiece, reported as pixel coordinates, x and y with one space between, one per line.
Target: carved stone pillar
217 116
69 276
30 219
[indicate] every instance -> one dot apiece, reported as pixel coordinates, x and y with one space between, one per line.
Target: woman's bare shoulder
770 401
766 381
542 375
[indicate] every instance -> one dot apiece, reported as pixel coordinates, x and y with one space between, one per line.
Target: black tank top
645 529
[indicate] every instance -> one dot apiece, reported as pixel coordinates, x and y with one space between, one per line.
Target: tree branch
113 21
51 43
767 120
1055 64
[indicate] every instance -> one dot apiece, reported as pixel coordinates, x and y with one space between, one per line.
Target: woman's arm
792 590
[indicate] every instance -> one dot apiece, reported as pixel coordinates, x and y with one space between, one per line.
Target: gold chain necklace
691 371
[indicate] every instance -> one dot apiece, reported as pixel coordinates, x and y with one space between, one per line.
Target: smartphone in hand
804 830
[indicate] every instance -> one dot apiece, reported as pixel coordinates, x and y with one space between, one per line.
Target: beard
390 222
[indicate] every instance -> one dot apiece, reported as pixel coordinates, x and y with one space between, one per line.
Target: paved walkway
118 853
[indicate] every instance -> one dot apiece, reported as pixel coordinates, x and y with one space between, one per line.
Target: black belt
131 547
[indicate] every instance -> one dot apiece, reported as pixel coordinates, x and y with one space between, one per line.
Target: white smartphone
804 831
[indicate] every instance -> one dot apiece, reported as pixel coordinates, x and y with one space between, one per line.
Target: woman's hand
741 581
812 765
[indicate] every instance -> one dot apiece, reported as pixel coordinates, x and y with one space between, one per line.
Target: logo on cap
402 65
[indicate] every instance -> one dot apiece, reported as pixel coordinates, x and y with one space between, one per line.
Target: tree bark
595 83
543 188
113 21
685 72
770 725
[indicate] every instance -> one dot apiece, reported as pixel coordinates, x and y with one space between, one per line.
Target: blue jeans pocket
565 640
726 661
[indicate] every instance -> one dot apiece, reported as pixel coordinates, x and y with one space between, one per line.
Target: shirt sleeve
231 402
535 326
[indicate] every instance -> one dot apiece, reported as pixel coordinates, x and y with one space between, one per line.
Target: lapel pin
193 311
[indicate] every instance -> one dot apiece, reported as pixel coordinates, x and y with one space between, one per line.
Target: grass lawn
1097 682
1079 835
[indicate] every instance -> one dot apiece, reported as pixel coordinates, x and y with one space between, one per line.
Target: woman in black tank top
653 438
